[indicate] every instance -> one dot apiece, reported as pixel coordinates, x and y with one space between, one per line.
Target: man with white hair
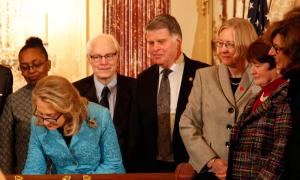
107 87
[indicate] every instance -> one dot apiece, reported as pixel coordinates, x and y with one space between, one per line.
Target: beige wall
67 25
94 22
199 20
195 21
62 27
67 30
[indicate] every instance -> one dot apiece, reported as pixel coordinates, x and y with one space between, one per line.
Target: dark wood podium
129 176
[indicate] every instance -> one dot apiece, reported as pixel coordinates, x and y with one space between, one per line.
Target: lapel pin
242 89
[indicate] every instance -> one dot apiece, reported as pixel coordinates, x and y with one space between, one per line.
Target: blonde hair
243 34
64 98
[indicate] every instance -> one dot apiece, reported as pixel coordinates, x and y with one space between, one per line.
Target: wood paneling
140 176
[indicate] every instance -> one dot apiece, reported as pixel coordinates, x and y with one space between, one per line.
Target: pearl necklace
235 84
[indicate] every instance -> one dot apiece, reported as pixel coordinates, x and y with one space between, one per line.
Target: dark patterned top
259 139
15 130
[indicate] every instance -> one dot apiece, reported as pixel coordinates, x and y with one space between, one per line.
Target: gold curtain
126 20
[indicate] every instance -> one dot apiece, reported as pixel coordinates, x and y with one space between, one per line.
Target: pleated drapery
126 20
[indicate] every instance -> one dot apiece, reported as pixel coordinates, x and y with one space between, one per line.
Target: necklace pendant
263 98
235 84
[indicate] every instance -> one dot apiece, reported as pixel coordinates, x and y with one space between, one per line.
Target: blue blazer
91 151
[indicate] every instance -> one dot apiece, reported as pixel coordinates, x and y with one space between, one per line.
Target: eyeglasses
98 57
51 120
277 49
227 44
27 67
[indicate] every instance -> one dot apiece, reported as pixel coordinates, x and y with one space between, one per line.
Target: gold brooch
92 123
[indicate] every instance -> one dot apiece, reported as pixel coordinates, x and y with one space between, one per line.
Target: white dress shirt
175 78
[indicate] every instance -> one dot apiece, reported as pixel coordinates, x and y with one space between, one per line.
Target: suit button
231 110
227 144
229 126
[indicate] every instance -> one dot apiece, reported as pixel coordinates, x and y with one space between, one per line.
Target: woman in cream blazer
217 99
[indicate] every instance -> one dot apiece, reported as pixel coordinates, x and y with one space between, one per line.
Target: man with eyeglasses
15 119
107 87
6 82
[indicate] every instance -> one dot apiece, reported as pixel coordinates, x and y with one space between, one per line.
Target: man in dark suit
164 39
109 88
6 82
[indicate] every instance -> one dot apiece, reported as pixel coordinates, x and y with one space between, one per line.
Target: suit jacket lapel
154 83
245 84
122 98
49 138
262 108
76 137
225 83
248 113
90 91
186 85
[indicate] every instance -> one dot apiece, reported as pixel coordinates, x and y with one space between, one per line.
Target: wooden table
129 176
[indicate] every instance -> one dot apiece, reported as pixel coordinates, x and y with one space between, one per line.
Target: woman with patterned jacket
34 64
259 139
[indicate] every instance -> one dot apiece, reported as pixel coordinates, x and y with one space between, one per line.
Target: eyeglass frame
226 44
277 49
50 120
32 66
98 57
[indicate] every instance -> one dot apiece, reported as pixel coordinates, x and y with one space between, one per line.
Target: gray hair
165 21
95 39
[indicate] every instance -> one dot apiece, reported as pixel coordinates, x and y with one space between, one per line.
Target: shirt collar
174 66
111 85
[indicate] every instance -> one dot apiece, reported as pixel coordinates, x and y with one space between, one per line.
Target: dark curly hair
34 42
